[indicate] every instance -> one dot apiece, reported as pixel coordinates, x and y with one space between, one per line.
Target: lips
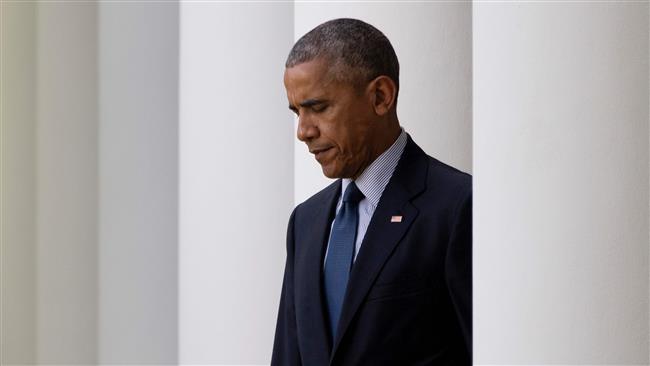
319 153
319 150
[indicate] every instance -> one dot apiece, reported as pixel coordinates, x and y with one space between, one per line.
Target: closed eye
319 107
315 105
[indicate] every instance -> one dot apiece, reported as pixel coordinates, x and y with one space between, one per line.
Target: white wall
138 182
66 189
561 183
236 187
18 182
433 41
90 250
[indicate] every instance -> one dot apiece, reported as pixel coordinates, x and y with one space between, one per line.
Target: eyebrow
307 103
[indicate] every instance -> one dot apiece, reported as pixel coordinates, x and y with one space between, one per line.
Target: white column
18 182
433 42
66 190
561 183
138 182
236 186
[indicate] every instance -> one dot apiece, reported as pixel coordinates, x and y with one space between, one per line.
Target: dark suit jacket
409 296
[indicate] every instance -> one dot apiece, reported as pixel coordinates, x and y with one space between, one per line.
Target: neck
385 139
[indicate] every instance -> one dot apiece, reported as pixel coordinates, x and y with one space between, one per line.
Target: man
378 268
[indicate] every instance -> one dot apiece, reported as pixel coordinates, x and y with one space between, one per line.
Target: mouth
320 153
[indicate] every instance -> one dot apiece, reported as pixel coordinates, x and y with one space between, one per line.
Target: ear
383 92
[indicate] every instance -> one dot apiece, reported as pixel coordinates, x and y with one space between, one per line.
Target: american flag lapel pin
396 218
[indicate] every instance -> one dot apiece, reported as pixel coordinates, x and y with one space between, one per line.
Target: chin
331 172
334 173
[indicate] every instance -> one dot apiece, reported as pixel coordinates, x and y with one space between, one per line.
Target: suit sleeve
458 266
285 345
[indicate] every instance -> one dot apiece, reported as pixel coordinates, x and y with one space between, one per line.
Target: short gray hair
357 51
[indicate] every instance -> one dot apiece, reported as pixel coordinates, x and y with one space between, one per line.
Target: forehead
316 81
307 75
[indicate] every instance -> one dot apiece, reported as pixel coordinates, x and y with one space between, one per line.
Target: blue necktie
340 253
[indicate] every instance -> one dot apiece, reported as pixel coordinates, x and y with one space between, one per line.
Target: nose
307 130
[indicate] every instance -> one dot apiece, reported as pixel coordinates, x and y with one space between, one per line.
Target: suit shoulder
447 177
447 189
316 201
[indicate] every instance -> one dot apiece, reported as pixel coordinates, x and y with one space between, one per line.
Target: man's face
335 119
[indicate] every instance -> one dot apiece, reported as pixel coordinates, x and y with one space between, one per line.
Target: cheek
357 139
346 133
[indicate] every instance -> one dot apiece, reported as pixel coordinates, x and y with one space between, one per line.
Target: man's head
342 80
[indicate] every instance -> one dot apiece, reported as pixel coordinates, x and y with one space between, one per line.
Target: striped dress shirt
372 183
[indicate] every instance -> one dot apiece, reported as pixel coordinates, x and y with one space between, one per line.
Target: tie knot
352 194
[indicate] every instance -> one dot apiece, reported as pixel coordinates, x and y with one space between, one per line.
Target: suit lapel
382 235
317 236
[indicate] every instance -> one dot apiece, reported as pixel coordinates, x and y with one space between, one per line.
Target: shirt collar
375 177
